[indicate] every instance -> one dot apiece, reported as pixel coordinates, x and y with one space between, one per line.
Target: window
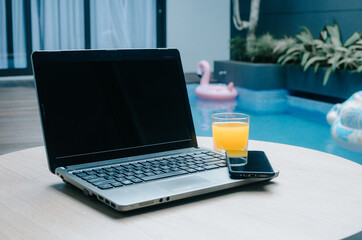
29 25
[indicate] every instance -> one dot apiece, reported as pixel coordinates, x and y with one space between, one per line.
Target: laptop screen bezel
41 57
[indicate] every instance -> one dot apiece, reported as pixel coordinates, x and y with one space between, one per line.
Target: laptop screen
96 108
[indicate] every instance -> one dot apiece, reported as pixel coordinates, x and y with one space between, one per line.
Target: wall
284 17
200 29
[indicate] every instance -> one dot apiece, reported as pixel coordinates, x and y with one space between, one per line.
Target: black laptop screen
95 107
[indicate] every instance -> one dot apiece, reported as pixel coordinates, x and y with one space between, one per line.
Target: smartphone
249 164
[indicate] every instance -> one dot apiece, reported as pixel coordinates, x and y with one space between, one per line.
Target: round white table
316 196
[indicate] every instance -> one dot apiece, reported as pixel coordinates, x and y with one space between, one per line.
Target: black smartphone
249 164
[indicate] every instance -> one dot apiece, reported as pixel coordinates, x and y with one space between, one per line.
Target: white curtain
19 46
3 42
57 24
123 24
19 34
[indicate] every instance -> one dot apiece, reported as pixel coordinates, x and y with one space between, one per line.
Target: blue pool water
275 116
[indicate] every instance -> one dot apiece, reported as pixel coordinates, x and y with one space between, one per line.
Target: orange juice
230 135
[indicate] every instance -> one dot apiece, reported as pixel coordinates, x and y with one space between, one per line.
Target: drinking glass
230 131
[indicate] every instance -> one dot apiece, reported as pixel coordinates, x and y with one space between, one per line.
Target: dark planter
250 75
341 84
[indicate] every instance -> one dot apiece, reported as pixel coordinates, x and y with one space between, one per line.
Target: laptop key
191 170
136 180
192 166
150 174
102 174
96 180
89 177
103 182
140 175
117 184
200 169
211 159
82 174
216 161
206 152
128 173
165 175
105 186
123 169
127 182
109 177
211 167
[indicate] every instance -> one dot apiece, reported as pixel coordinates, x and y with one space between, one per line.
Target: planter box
257 76
341 84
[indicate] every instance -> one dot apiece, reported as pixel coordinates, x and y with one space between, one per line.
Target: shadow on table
357 236
94 203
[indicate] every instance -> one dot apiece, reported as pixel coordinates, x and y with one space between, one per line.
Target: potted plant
337 66
253 60
253 63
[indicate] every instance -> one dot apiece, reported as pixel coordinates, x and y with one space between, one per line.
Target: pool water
275 116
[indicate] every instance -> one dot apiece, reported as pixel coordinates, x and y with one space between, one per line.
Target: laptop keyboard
153 169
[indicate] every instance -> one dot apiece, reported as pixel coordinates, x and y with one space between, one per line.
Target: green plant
238 48
260 50
328 51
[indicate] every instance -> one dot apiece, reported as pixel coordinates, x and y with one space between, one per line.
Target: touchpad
185 183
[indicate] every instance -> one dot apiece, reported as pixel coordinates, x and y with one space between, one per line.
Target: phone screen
248 164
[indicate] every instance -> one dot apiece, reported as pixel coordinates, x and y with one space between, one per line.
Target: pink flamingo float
212 91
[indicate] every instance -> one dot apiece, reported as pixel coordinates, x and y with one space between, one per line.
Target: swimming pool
275 116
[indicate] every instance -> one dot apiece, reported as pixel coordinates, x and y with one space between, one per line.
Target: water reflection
205 107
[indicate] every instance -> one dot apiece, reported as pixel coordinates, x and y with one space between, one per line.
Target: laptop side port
61 176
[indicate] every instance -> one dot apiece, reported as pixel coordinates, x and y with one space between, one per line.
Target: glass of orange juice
230 131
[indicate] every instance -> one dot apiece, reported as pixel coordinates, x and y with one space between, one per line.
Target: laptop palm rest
184 184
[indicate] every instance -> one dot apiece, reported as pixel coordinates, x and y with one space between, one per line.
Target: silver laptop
117 124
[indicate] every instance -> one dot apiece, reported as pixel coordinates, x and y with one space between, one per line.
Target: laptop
117 124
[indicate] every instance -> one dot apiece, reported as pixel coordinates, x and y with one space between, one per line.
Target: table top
316 196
